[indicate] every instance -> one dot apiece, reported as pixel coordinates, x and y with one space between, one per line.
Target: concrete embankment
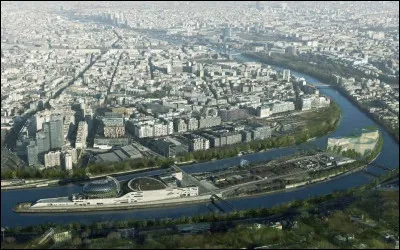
31 185
345 93
46 183
26 207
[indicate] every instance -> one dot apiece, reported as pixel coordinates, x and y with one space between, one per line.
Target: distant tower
227 32
291 50
259 5
43 141
286 75
56 132
365 60
32 153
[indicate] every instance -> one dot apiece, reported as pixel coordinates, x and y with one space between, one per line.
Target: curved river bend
352 118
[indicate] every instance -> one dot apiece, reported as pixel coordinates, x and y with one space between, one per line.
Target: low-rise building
192 124
168 147
209 121
197 142
180 125
261 133
62 237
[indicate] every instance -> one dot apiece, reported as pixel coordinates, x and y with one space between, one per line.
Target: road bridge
381 167
216 197
202 188
205 190
370 173
322 86
217 206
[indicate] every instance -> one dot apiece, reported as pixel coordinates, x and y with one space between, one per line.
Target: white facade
151 129
145 130
286 75
81 135
52 159
67 161
101 146
279 107
170 127
311 102
114 131
263 111
181 126
306 103
365 142
160 129
131 197
74 155
193 124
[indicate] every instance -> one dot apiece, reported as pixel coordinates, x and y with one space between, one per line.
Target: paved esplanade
202 188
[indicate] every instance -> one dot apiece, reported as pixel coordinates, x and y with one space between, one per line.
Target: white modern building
109 192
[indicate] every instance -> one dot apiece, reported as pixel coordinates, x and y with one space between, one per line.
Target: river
352 118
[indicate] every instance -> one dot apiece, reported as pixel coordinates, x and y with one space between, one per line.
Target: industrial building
168 147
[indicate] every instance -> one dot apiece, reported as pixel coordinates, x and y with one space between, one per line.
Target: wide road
12 136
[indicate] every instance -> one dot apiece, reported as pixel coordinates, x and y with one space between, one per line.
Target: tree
76 241
86 242
114 235
122 224
9 239
86 233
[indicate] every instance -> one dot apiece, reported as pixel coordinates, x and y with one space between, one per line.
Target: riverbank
51 183
327 177
299 187
352 119
311 207
26 208
162 203
327 81
318 123
61 182
314 128
181 201
365 111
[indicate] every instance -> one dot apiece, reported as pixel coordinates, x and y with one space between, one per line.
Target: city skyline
184 108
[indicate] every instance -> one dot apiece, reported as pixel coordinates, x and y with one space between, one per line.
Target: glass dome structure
145 184
105 188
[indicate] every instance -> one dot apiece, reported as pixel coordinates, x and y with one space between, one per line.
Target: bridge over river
352 118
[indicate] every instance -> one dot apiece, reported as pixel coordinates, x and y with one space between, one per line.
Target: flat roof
108 157
131 151
49 200
120 154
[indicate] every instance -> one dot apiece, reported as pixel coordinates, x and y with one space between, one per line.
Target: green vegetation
324 70
367 216
317 124
156 94
92 169
368 155
361 161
